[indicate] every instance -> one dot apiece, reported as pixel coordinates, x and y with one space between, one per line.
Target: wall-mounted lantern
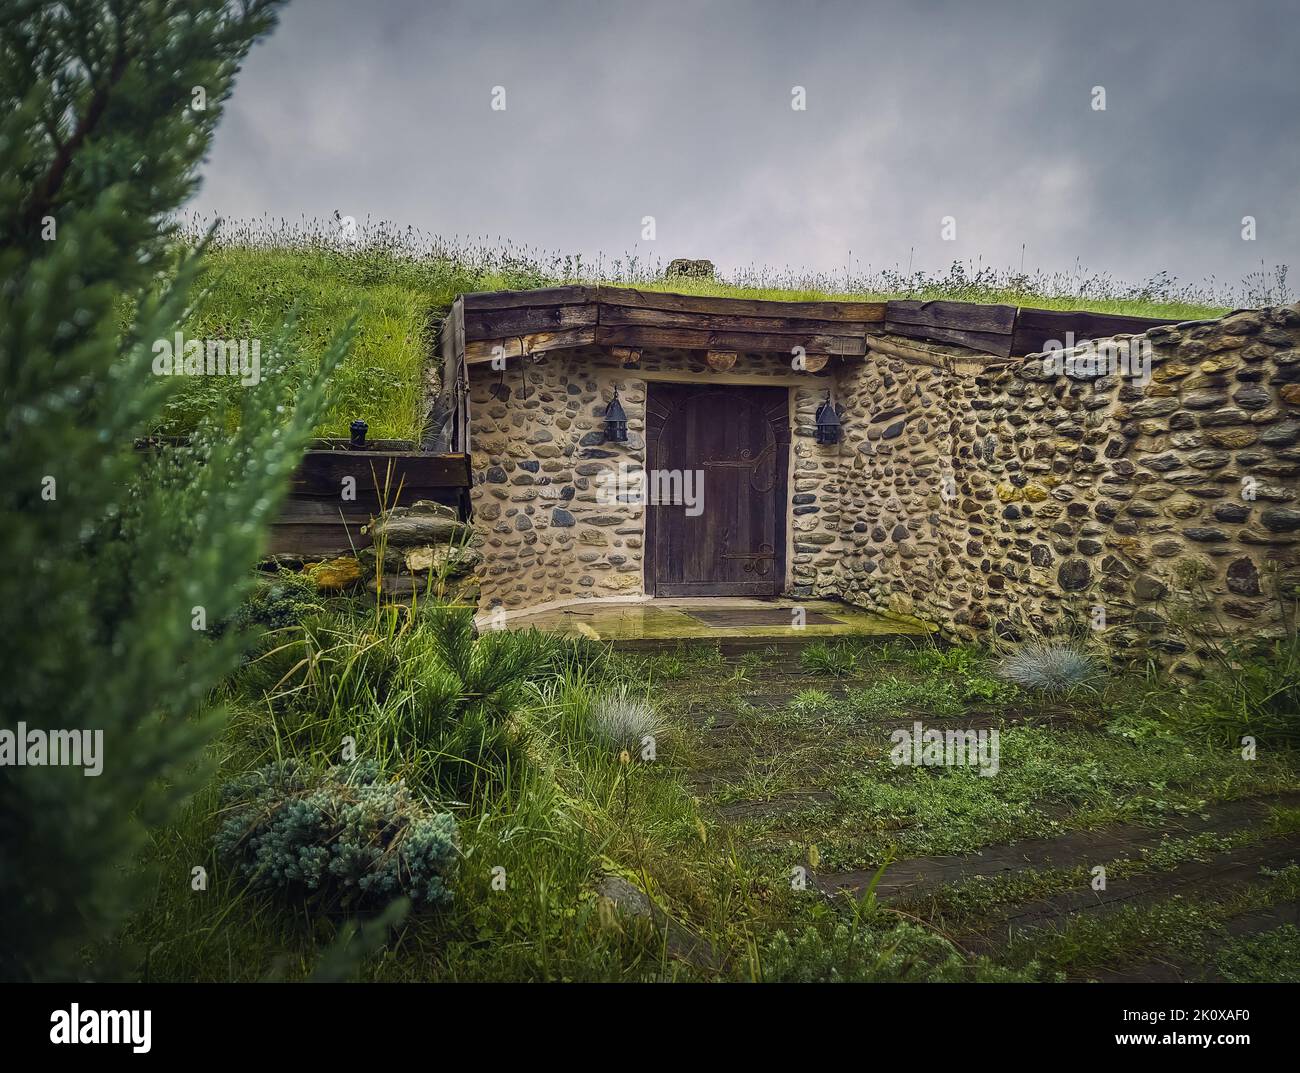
358 428
615 421
828 423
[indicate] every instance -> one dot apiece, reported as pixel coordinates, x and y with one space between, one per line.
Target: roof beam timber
484 350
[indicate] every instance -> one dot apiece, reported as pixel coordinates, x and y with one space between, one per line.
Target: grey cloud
682 111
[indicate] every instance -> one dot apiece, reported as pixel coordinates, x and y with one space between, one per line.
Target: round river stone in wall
1074 574
1243 577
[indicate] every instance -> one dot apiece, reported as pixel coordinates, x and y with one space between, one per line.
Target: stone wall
898 538
534 444
979 495
539 455
1086 499
817 499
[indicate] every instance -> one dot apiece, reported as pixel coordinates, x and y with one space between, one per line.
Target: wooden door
735 443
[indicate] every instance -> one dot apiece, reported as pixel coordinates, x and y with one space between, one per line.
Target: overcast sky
982 111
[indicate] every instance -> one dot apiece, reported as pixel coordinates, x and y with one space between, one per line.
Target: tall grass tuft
1049 668
412 687
836 660
623 721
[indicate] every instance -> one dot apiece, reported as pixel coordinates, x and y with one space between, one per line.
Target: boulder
421 523
444 560
335 574
683 267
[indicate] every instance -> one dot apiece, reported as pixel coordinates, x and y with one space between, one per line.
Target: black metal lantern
615 421
358 429
828 423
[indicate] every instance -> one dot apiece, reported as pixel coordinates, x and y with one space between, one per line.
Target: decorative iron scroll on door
758 562
751 462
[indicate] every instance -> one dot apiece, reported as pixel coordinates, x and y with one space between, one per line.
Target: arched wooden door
730 445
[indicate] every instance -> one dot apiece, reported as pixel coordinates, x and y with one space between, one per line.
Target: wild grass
497 730
487 728
399 282
260 273
1182 928
891 695
1049 781
830 658
1059 770
1161 296
973 902
1248 691
1270 957
810 702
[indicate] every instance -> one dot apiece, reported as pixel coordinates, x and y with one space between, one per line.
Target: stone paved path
742 776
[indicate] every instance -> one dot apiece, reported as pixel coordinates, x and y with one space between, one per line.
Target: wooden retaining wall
315 520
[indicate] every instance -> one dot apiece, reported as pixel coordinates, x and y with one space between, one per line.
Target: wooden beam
325 505
481 301
484 350
929 353
1035 328
983 342
324 540
986 328
958 316
555 318
527 320
454 392
741 342
840 312
708 376
321 473
617 316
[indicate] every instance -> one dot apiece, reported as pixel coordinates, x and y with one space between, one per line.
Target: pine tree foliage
113 561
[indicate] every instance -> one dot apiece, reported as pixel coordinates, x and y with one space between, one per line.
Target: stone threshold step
732 648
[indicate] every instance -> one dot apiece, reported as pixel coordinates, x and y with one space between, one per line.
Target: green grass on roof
1009 295
399 285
